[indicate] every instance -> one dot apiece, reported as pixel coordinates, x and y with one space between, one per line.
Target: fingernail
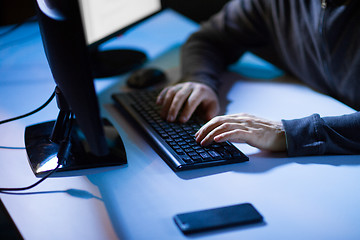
183 119
196 134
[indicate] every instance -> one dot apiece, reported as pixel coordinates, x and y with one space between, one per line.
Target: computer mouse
145 77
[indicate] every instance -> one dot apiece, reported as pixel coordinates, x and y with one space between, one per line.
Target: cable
30 113
20 38
12 148
63 154
4 190
9 190
13 28
25 115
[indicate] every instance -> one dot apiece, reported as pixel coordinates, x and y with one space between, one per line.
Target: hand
244 128
187 96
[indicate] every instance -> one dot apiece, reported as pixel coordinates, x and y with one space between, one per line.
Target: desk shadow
333 160
266 161
254 165
112 207
72 192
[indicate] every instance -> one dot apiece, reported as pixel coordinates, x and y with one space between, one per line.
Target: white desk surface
300 198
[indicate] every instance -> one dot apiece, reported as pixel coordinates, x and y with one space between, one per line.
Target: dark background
16 11
197 10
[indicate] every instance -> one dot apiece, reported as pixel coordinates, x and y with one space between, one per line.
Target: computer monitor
79 138
105 19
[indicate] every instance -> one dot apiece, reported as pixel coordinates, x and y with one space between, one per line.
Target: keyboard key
196 158
205 156
186 159
214 154
180 151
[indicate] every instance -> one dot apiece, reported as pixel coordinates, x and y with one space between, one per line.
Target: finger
241 120
191 105
178 101
208 127
161 96
203 97
223 128
250 119
236 135
167 101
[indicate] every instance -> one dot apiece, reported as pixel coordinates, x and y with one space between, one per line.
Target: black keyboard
175 142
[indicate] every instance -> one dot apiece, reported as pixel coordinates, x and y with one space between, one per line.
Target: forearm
222 40
203 57
314 135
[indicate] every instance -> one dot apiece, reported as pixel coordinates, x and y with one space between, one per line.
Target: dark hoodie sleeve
239 26
314 135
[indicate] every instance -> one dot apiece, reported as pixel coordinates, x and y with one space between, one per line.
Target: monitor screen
103 18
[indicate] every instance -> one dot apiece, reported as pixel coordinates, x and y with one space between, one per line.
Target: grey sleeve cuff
304 136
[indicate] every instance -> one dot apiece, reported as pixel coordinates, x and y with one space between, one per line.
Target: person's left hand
243 128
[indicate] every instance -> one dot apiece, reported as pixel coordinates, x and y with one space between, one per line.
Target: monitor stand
108 63
42 152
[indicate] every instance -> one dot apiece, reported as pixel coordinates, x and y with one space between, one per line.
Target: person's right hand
187 97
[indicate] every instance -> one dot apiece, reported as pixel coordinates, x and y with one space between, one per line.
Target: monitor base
42 153
110 63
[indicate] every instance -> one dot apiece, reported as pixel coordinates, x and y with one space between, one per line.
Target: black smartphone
216 218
